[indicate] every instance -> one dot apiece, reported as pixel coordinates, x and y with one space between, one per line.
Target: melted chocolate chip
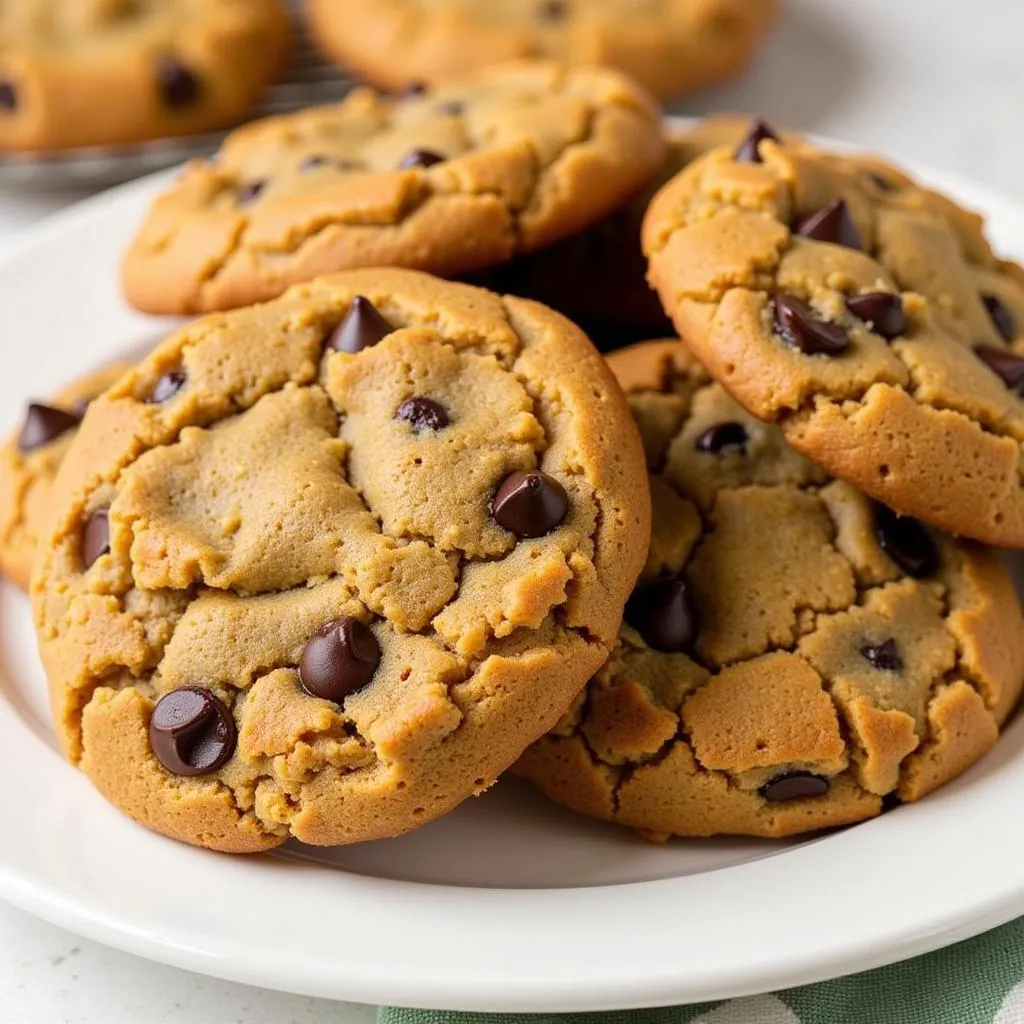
361 327
663 614
722 435
552 10
8 96
96 537
795 786
884 656
530 504
192 732
166 387
339 659
250 192
178 86
747 152
1005 321
1009 368
906 542
882 310
43 424
422 413
420 158
801 329
832 223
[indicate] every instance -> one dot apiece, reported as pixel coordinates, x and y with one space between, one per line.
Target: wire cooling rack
310 80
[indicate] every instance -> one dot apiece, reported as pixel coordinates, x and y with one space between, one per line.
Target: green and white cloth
980 981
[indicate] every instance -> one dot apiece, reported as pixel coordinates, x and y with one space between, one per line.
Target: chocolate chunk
167 387
8 96
884 656
192 732
420 158
553 10
722 435
96 537
1009 368
178 86
832 223
361 327
747 152
663 614
452 108
801 329
795 786
906 542
423 413
1005 321
339 659
43 424
530 504
882 310
250 192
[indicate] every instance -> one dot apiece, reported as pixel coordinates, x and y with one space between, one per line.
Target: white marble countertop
938 81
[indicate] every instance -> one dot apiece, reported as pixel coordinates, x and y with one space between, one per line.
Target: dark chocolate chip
802 330
722 435
166 387
250 192
747 152
552 10
1005 321
1009 368
795 786
530 504
178 86
832 223
890 802
43 424
362 327
663 614
420 158
882 310
452 108
906 542
192 732
339 659
884 656
8 96
96 537
423 413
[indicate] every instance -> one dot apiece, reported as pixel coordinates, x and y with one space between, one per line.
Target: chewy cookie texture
450 180
795 656
323 568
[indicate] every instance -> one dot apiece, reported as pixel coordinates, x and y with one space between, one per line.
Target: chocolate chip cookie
864 314
29 461
671 46
324 567
99 72
795 655
450 180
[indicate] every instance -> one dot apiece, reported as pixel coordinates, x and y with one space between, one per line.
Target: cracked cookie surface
449 180
29 461
323 568
671 46
99 72
863 313
793 655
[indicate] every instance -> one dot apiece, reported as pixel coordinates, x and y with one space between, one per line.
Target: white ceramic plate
507 905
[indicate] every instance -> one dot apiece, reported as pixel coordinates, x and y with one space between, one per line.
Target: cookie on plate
671 46
323 568
795 656
100 72
451 180
29 461
864 314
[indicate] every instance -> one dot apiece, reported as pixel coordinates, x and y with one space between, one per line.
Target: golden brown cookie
452 180
98 72
323 568
671 46
795 656
864 314
29 461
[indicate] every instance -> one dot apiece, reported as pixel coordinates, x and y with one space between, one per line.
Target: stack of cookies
323 567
